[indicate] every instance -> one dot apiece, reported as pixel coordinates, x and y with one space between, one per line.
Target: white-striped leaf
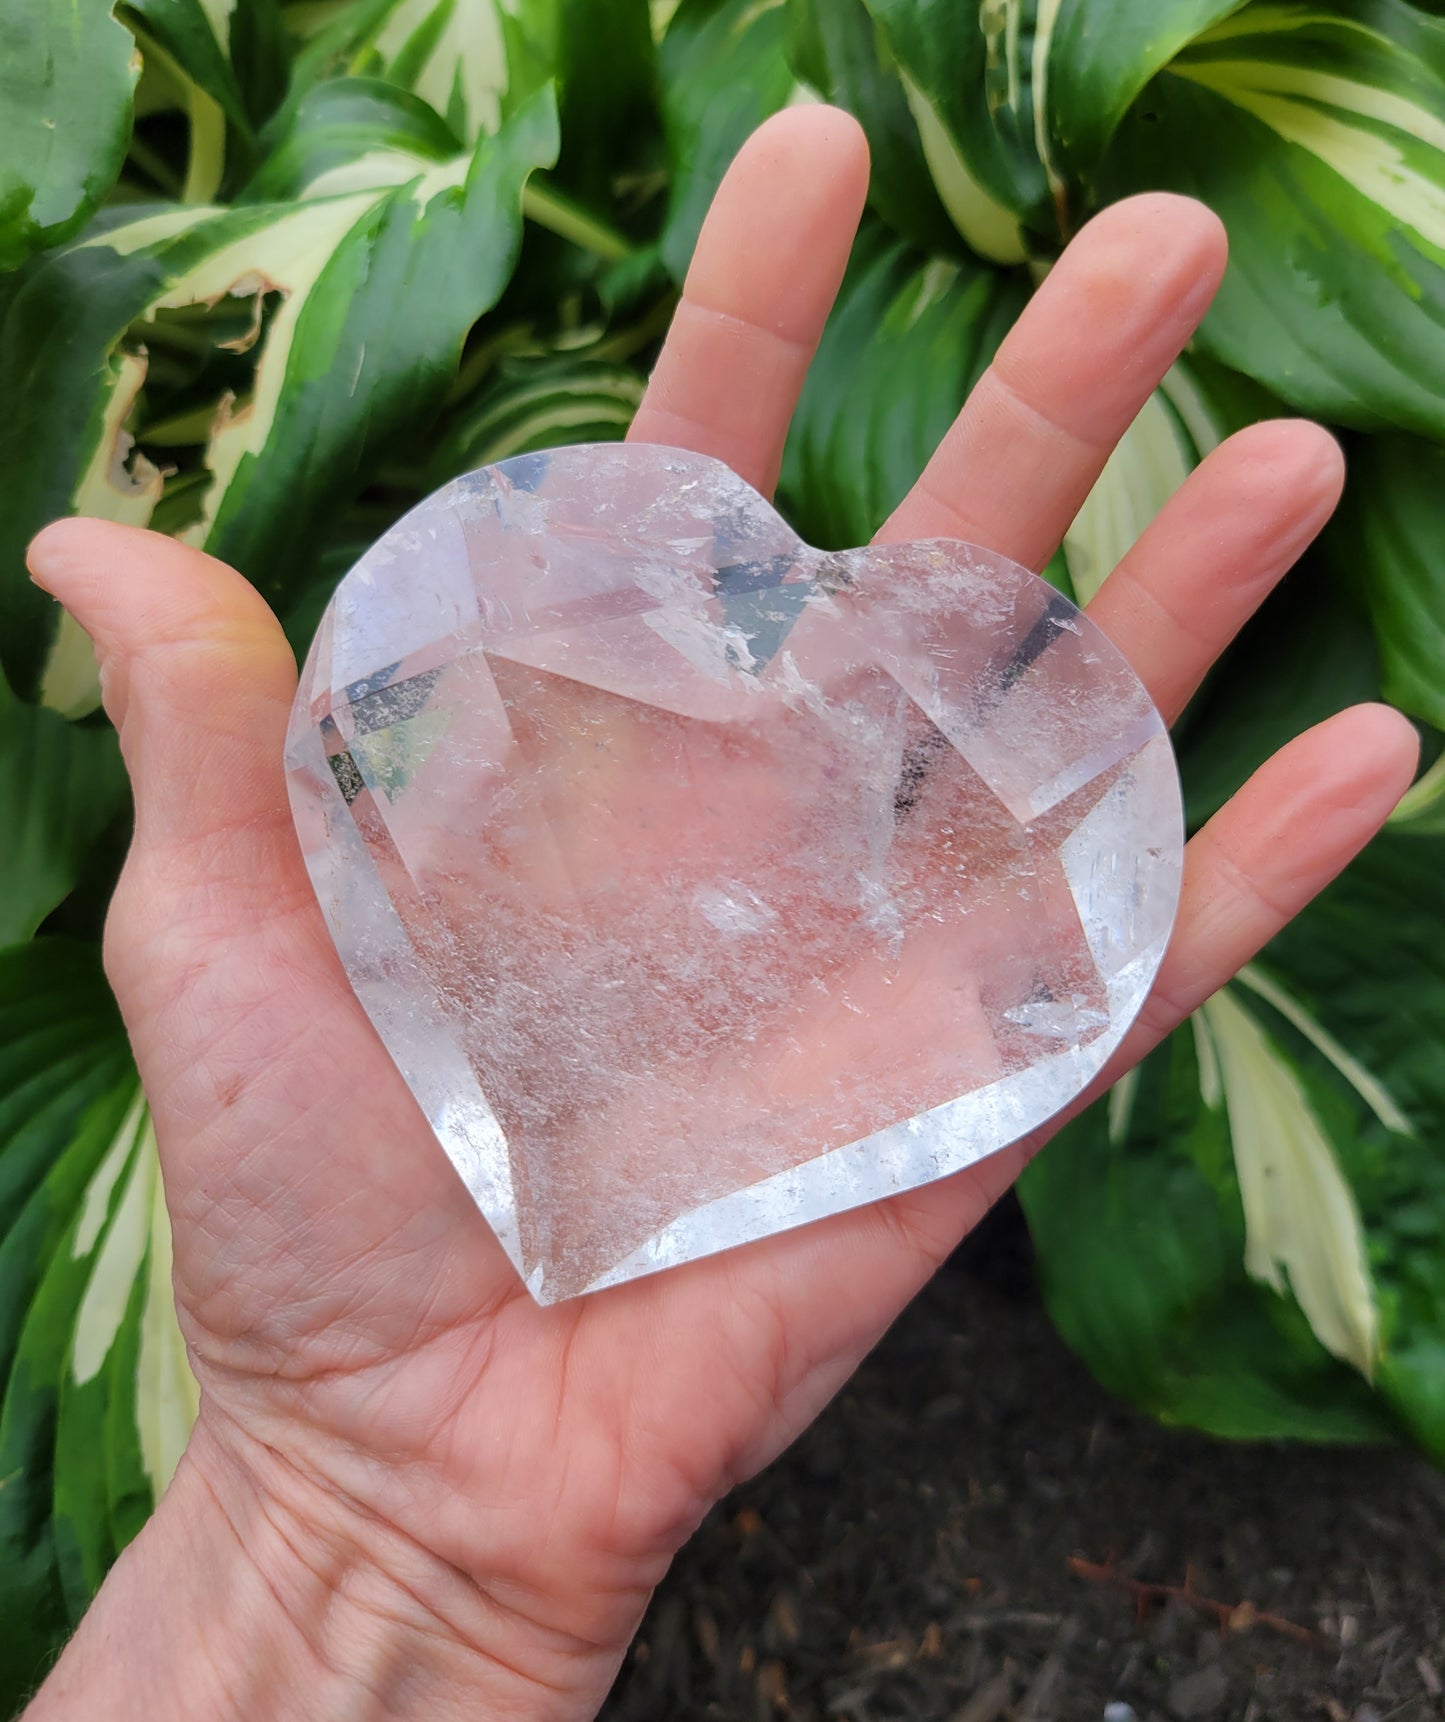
906 341
1319 136
1016 100
224 66
967 74
1191 412
1253 1239
69 1122
374 290
539 405
127 1373
476 61
471 62
1303 1234
835 49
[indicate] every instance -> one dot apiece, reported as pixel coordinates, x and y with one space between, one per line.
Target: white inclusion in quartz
701 884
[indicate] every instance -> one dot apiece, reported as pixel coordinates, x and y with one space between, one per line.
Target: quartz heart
700 883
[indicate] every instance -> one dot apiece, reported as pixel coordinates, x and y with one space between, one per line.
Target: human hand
411 1490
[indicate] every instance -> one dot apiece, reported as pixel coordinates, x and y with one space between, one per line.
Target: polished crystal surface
701 884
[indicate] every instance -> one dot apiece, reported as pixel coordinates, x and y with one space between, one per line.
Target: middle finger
1032 438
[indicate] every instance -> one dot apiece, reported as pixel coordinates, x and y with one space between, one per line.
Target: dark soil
917 1555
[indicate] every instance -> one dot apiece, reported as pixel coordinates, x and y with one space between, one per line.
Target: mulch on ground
974 1532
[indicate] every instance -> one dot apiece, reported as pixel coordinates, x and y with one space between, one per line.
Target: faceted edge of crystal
904 1156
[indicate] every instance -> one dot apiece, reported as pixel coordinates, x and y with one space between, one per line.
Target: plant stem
516 337
207 148
1423 795
560 215
154 166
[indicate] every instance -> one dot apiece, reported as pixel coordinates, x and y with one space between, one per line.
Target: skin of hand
411 1491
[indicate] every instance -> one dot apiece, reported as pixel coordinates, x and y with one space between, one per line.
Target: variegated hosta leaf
70 1120
1302 1231
1016 100
906 341
835 49
1389 543
1319 136
724 68
353 134
66 80
126 1373
473 63
224 64
1257 1244
1365 962
537 406
1091 58
1196 406
477 61
374 292
967 73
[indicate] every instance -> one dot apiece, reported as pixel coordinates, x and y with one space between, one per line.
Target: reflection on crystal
701 884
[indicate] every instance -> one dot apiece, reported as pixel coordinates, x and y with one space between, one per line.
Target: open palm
460 1502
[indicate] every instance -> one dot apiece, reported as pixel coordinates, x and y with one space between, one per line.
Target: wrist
259 1598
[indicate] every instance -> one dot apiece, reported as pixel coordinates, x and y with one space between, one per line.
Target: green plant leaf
65 89
224 66
1421 811
1140 1234
1097 56
236 55
1389 544
836 49
377 288
1302 1231
605 63
1196 406
98 1398
1255 1228
1365 960
1326 159
365 345
474 64
69 1120
127 1376
907 339
724 69
352 134
60 787
535 406
1306 655
1015 101
968 74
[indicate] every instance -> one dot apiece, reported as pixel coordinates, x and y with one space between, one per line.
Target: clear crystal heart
701 884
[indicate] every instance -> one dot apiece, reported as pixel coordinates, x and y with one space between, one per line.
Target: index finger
762 281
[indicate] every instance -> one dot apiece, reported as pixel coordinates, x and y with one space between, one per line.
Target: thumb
271 1094
198 679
